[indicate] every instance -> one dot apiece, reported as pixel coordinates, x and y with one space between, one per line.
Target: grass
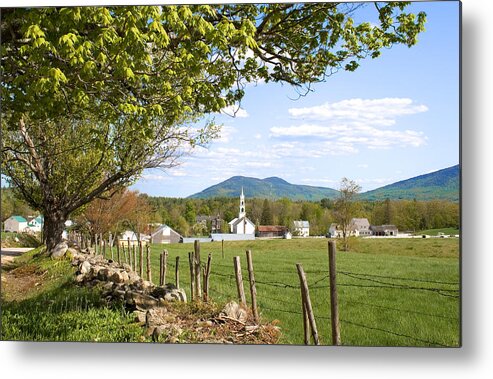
392 292
54 309
11 239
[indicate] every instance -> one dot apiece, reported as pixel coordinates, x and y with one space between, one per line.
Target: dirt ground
16 282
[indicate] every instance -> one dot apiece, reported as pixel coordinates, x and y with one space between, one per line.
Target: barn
164 234
15 224
271 231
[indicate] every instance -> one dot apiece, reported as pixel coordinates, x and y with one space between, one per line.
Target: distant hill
438 185
269 188
442 185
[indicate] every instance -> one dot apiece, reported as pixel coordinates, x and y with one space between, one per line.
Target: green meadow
392 292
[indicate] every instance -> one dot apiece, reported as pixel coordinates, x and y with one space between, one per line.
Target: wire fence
289 303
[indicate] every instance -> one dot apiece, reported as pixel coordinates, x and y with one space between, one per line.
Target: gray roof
238 220
360 223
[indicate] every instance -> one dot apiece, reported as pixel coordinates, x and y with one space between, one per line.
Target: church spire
242 205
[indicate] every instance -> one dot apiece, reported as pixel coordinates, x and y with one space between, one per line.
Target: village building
15 224
241 224
164 234
215 222
301 228
131 236
35 224
358 227
271 231
384 230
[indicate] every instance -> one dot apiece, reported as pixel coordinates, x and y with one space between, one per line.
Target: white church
241 224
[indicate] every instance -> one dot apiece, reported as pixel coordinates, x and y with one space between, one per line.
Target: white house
164 234
358 227
35 224
241 224
15 224
301 228
132 236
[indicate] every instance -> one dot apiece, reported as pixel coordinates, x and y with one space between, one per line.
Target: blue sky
395 117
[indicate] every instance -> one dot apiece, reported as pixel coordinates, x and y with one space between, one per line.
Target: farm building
132 236
164 234
241 224
35 224
384 230
271 231
15 224
358 227
301 228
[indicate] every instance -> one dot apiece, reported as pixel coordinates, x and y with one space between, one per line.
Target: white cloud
382 112
339 136
234 111
258 136
362 165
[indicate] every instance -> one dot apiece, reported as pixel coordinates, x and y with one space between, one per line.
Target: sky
394 118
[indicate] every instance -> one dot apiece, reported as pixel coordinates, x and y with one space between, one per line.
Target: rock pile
153 308
120 282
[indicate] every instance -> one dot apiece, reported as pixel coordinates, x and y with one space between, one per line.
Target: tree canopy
92 96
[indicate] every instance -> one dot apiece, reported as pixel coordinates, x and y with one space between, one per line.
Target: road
9 253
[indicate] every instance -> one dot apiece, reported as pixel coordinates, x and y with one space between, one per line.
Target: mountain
442 184
438 185
270 188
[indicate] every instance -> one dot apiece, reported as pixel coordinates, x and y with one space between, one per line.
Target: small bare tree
345 208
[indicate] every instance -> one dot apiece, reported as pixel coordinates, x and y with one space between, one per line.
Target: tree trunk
53 226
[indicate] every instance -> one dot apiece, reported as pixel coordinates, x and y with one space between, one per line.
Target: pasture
392 292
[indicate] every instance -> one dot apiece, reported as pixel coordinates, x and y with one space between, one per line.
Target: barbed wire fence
319 280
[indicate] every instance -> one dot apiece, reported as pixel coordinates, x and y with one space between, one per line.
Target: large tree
92 96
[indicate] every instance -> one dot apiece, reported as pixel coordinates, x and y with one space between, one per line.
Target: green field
392 292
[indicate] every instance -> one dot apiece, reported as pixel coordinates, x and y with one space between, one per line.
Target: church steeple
242 205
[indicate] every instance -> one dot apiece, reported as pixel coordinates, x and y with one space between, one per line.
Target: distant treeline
180 214
410 215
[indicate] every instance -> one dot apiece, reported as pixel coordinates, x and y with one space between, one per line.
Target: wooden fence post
308 305
148 256
192 275
253 289
141 259
197 270
104 248
161 256
118 251
129 252
134 252
239 281
306 323
110 240
165 265
177 272
95 244
222 248
334 306
207 273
